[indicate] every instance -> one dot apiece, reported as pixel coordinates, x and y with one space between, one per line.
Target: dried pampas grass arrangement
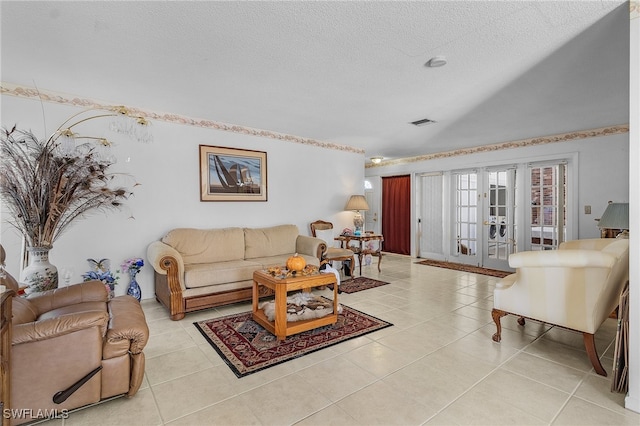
46 186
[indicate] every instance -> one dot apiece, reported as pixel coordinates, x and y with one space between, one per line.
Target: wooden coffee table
280 327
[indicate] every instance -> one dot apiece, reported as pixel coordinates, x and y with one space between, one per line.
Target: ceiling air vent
422 122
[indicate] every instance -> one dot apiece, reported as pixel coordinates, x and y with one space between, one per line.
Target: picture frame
232 174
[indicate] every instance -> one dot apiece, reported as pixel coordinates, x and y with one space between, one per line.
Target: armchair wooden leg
590 346
496 314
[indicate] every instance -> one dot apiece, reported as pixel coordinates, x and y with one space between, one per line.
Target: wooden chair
324 230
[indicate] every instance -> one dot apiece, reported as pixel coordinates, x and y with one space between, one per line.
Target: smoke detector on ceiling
422 122
436 61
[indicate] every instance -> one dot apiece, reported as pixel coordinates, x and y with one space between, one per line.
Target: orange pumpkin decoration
296 263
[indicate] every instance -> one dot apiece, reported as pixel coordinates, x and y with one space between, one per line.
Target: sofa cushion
207 245
273 241
208 274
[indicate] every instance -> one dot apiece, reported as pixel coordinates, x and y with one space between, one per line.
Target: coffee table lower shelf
293 327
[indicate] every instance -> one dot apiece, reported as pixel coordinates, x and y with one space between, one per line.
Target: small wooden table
280 327
360 250
6 298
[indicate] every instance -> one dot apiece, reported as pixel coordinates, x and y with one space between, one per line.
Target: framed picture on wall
230 174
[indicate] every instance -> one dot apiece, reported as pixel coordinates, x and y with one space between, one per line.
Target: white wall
633 397
601 164
305 183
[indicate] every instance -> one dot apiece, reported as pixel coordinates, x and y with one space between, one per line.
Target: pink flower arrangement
132 266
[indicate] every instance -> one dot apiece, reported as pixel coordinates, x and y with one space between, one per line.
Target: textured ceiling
350 73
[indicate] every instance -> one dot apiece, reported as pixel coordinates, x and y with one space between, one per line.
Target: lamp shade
616 216
357 202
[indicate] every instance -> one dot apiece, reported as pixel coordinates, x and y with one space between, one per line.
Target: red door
396 214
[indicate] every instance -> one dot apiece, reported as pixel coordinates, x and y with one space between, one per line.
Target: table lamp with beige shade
357 203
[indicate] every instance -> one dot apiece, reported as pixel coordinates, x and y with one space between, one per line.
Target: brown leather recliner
72 347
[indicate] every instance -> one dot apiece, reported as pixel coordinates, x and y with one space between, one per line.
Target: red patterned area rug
465 268
246 347
358 284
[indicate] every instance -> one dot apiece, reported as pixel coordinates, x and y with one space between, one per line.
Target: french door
485 217
499 207
466 217
482 216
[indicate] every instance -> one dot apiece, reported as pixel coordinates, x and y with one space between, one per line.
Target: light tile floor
436 366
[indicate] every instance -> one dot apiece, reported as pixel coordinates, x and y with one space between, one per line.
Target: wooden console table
5 353
361 250
280 327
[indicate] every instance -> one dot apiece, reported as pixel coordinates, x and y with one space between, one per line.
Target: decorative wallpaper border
562 137
46 96
31 93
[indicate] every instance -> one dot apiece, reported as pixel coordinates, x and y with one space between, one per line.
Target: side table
361 250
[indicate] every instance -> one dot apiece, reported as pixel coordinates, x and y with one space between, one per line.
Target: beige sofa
202 268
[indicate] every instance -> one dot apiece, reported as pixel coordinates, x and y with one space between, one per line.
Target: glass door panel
466 219
500 209
548 209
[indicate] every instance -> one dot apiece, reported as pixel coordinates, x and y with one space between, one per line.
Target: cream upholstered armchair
72 346
575 287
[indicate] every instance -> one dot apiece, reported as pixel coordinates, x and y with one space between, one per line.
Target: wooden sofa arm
169 273
157 251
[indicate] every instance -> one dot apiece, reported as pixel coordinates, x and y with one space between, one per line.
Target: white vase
40 275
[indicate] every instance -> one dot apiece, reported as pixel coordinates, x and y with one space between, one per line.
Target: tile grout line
498 367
